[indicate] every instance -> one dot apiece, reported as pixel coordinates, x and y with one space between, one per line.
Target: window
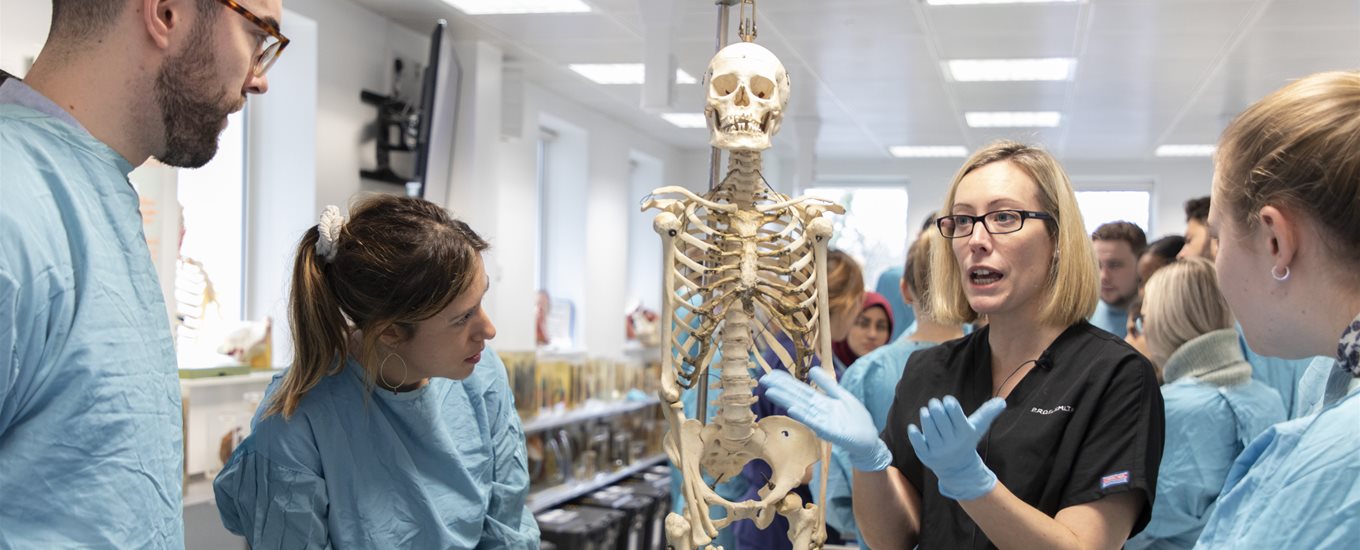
1101 207
194 221
874 228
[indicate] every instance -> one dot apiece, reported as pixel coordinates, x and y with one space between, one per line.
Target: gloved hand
947 443
836 416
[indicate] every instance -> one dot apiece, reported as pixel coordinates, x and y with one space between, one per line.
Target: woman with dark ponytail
395 426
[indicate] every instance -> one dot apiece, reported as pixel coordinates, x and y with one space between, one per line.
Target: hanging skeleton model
742 264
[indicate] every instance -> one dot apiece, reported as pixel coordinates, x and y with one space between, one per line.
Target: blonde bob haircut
1074 269
1181 302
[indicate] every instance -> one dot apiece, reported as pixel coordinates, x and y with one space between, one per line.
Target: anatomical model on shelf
743 264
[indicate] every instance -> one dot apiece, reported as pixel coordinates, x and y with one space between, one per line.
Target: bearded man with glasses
90 415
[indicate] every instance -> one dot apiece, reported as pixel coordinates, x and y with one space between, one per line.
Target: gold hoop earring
1279 277
382 367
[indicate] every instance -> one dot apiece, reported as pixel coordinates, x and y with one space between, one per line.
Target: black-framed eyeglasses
270 47
997 222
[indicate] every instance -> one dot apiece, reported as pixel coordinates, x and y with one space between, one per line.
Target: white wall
282 184
494 188
23 29
356 48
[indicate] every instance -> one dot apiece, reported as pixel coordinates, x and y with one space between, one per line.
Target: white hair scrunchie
328 232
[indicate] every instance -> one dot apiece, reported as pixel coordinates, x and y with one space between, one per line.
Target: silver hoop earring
382 367
1279 277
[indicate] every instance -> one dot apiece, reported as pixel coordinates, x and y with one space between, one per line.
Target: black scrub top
1086 422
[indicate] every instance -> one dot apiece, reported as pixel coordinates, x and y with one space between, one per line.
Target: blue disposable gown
872 379
91 451
1206 428
1283 375
439 467
1111 320
1295 486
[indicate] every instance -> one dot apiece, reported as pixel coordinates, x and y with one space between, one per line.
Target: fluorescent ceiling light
623 73
967 2
490 7
686 120
1006 70
928 151
1185 151
1013 119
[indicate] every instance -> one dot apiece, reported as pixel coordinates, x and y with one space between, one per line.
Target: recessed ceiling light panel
1013 119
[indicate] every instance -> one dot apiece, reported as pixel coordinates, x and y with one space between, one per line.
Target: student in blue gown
889 287
91 451
1118 246
1279 373
1213 406
1286 190
395 426
872 379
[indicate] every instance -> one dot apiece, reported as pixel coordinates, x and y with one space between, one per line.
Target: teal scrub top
1206 428
91 450
872 379
1295 486
443 466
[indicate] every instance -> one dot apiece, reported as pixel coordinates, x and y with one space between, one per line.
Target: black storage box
638 507
573 527
661 506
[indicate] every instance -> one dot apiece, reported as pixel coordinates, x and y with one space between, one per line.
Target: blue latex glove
836 416
947 443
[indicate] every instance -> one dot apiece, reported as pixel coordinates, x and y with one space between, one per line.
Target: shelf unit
544 499
590 412
199 490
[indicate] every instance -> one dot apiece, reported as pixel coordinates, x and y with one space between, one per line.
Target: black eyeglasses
270 47
997 222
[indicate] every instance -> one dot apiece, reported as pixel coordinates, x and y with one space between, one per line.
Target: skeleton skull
747 92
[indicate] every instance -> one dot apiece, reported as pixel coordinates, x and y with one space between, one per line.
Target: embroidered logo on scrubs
1121 478
1057 409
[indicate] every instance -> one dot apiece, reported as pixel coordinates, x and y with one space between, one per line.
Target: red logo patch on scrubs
1121 478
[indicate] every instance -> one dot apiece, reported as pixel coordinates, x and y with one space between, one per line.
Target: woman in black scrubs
1075 414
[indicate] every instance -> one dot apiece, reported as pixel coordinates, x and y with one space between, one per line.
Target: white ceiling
1149 72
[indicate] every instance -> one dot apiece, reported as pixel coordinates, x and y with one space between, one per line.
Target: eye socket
762 87
724 85
1007 218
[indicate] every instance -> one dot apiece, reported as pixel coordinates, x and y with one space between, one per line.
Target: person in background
887 286
91 452
845 295
874 376
1134 330
871 330
1198 242
1118 246
1065 438
1213 407
1159 253
1286 190
395 427
891 284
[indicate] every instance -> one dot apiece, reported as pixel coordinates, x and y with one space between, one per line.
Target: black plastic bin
661 505
638 507
574 527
